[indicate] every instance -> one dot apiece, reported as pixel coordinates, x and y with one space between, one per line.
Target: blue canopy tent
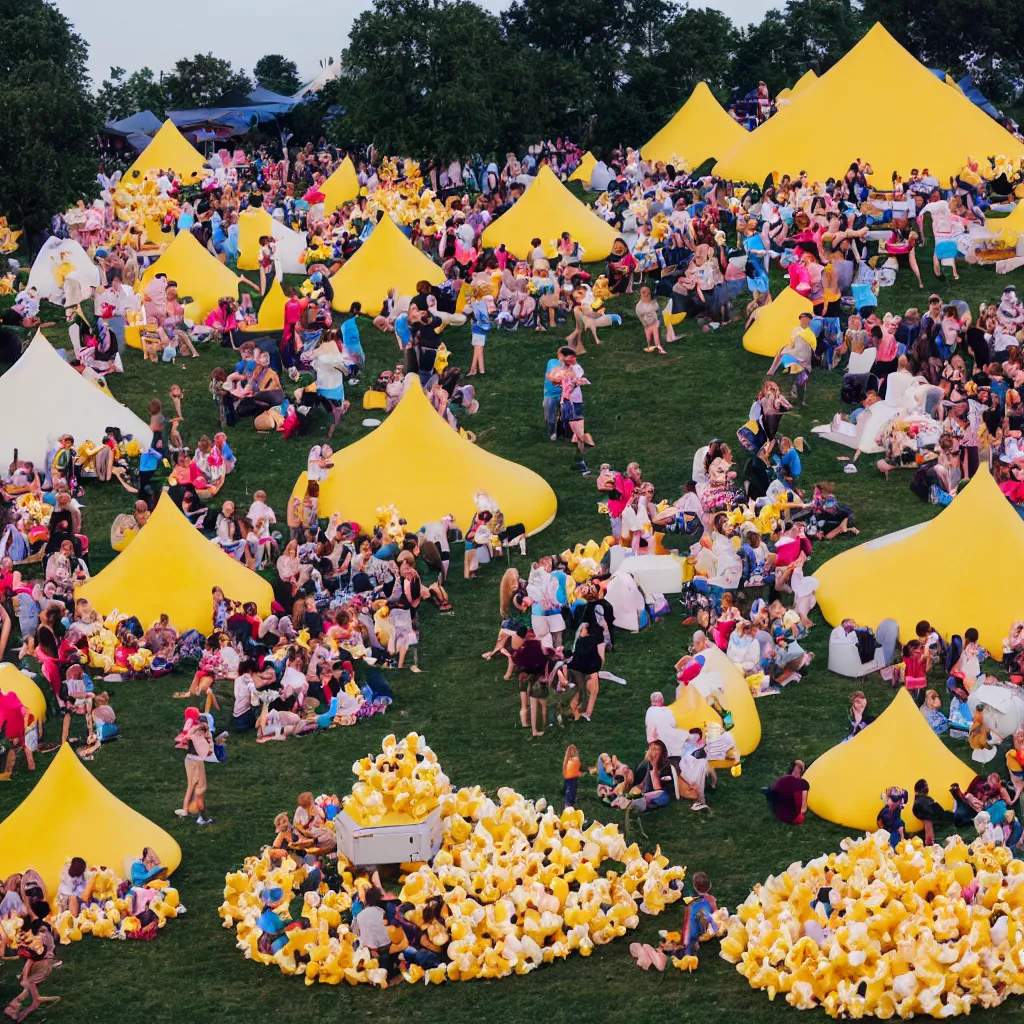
145 122
240 111
971 91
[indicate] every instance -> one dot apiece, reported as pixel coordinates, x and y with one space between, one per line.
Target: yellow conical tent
387 259
170 567
341 187
12 680
169 151
253 224
874 128
442 472
69 814
897 749
908 579
586 168
700 129
200 275
544 211
771 330
271 312
1009 226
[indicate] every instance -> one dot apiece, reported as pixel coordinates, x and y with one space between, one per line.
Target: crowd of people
939 391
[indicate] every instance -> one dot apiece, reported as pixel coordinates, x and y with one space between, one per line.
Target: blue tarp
972 92
145 122
241 111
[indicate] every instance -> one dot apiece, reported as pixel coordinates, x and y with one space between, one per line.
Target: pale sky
155 33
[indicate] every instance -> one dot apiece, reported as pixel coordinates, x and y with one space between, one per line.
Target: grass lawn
656 410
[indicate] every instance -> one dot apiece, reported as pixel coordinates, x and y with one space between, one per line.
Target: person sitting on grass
787 796
651 784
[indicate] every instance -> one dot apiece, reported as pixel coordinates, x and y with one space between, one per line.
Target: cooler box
388 844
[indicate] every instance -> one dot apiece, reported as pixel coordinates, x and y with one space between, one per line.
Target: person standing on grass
569 377
552 395
200 747
647 313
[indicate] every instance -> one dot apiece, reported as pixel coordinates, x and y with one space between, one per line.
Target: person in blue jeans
552 397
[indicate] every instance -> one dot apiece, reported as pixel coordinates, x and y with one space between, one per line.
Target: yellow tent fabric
699 130
692 711
771 330
440 475
586 168
874 128
1010 226
270 316
252 225
200 275
171 567
544 211
897 749
69 814
806 79
386 260
907 580
12 680
341 187
169 150
738 699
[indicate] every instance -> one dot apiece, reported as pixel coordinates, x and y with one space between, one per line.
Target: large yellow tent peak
586 168
771 330
341 187
70 814
169 151
439 473
544 211
170 567
806 79
13 680
908 579
200 275
897 749
270 316
386 260
699 130
874 128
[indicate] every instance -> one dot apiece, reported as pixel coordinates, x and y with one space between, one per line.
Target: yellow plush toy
601 289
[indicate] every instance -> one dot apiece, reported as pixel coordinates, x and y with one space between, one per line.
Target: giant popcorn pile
520 886
873 931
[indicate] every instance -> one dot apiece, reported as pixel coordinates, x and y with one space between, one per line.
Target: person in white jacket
328 364
661 725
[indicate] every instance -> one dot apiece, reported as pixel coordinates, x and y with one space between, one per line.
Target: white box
388 844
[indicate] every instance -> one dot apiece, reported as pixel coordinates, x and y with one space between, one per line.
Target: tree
203 80
278 74
426 78
48 119
120 96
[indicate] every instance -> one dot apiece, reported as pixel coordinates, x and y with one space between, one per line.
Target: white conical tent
54 252
43 397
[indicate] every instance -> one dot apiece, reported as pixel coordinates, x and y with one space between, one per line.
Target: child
351 346
927 809
570 774
608 767
787 464
157 423
916 663
982 740
890 817
266 260
481 325
647 313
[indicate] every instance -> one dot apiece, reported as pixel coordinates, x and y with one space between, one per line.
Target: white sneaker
181 812
698 807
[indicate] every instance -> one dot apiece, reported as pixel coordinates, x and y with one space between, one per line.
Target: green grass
656 410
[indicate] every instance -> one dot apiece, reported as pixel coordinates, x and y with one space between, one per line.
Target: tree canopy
278 74
48 118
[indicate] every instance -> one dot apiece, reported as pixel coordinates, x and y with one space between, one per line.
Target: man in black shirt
757 474
426 339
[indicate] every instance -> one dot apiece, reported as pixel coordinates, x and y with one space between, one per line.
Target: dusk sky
155 34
